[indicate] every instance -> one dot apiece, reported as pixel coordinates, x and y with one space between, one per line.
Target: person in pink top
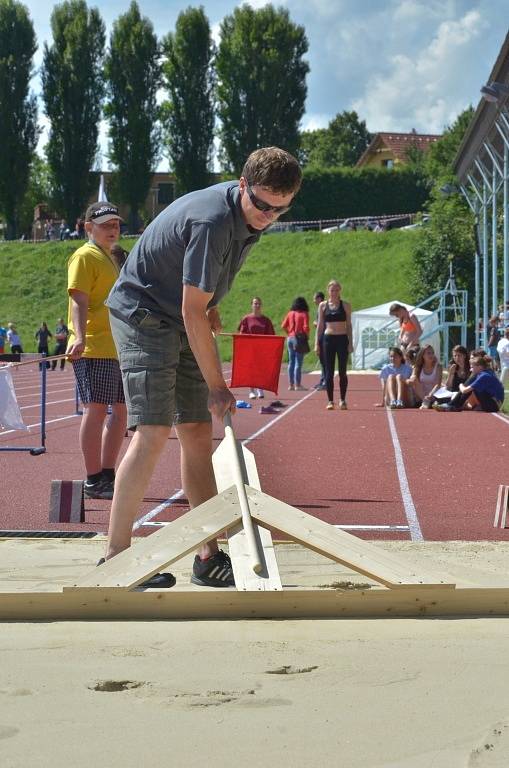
259 324
296 321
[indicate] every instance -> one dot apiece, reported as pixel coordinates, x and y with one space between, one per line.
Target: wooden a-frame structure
247 514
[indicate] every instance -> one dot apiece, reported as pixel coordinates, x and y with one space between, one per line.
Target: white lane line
343 527
48 392
153 512
49 421
373 527
502 418
48 402
168 502
408 502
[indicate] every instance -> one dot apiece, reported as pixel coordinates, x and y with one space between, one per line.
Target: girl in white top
426 376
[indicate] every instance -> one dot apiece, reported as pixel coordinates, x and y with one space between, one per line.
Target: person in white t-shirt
397 367
503 354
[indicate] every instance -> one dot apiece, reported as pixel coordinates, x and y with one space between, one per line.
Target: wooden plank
245 577
505 503
501 510
170 543
115 604
355 553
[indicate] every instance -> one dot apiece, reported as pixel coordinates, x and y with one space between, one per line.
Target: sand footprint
112 686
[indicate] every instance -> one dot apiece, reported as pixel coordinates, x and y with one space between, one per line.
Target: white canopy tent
374 331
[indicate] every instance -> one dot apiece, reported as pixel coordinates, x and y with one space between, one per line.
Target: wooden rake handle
240 473
36 361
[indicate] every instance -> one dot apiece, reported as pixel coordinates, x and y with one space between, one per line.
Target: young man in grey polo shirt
163 313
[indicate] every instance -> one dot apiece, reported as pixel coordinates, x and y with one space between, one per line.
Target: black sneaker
214 572
158 580
102 489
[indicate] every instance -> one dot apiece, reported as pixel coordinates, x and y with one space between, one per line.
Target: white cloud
421 91
312 121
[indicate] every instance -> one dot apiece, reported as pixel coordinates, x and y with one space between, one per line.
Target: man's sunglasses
261 205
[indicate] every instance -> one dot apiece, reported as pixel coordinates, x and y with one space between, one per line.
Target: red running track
418 475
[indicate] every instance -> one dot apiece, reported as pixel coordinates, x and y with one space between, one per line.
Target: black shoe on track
157 581
103 489
214 572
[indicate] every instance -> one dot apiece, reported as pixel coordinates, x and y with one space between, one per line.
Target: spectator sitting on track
42 335
458 373
503 354
256 323
391 375
61 336
426 377
296 321
484 392
91 274
410 330
13 339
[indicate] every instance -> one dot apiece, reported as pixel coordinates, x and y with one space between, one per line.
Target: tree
188 115
38 191
18 109
72 86
340 144
133 77
261 82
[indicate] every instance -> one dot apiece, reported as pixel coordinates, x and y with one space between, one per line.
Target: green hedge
343 192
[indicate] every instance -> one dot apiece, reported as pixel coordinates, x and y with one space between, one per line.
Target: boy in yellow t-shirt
91 274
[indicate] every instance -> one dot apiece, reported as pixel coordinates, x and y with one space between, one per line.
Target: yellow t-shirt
92 271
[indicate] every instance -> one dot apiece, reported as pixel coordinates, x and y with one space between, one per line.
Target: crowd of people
413 378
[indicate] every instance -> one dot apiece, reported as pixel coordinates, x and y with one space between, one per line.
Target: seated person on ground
484 392
426 377
457 373
397 367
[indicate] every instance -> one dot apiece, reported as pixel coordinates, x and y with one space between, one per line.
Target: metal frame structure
482 169
450 305
36 450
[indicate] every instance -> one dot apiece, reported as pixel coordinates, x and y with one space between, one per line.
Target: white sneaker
252 395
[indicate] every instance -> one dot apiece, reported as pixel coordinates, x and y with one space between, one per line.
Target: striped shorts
98 380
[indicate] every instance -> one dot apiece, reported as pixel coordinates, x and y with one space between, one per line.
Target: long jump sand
398 693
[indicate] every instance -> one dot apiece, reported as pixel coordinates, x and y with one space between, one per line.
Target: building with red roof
390 149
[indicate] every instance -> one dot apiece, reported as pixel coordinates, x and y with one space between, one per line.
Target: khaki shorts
163 384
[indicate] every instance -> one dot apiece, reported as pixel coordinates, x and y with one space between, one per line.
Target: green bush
350 192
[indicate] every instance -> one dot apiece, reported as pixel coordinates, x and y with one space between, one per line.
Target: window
388 164
165 193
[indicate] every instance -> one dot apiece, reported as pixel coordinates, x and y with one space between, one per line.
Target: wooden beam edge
111 604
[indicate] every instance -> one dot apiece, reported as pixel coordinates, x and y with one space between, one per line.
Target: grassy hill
372 267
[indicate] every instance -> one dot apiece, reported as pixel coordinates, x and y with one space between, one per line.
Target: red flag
257 361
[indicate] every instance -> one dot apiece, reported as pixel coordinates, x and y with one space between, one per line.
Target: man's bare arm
201 341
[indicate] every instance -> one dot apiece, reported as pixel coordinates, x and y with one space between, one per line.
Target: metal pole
506 229
43 402
485 272
494 255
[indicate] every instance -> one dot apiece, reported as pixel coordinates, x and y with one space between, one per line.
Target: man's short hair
101 212
274 169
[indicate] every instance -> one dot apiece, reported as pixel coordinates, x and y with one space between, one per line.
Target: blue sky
401 64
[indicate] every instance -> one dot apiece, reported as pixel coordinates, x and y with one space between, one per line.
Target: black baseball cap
101 212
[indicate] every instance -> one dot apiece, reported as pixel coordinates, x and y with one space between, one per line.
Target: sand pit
405 693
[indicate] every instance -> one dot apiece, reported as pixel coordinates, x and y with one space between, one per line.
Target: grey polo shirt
201 239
